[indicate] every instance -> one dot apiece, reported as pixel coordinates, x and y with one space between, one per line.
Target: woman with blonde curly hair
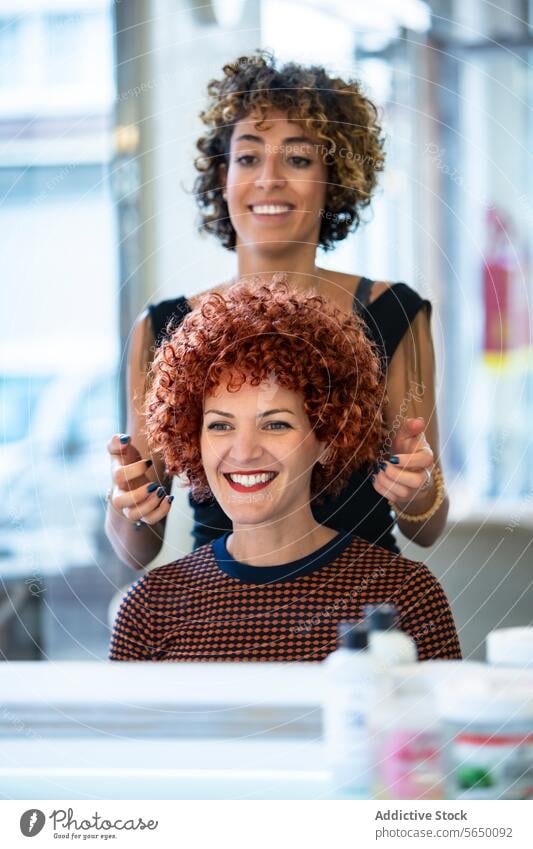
268 399
289 161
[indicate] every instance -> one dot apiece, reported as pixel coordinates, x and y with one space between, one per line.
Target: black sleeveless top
359 509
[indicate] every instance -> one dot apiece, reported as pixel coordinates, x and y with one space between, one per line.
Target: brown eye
300 161
245 159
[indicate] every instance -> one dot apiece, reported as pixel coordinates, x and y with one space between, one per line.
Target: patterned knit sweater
209 607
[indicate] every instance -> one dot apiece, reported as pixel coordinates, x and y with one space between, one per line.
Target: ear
325 454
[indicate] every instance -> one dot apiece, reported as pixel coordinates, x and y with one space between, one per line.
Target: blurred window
12 70
53 183
92 421
58 322
19 397
64 49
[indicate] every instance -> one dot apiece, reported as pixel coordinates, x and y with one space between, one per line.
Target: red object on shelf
506 326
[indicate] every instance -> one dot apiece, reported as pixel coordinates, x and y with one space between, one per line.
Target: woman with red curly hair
289 161
267 399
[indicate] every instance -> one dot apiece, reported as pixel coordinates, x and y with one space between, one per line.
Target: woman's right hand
134 494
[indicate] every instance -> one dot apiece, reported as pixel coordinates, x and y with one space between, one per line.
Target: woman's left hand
405 477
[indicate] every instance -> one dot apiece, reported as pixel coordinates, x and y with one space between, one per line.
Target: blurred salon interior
99 115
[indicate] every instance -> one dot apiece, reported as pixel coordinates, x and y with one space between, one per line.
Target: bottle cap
381 617
352 635
510 647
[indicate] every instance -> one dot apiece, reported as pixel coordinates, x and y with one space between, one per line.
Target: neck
278 542
298 263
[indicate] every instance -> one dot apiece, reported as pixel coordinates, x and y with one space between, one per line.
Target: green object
469 777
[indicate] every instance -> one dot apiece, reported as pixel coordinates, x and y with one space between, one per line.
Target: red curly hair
249 333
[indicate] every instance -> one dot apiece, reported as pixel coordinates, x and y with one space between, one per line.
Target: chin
269 243
247 513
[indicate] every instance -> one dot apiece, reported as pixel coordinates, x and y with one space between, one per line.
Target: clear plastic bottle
388 645
406 737
350 683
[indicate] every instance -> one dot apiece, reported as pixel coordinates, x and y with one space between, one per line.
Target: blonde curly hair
336 112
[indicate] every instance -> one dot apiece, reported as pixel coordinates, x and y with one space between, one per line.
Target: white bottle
406 737
387 644
350 682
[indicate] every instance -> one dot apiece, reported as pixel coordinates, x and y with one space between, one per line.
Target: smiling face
258 452
275 184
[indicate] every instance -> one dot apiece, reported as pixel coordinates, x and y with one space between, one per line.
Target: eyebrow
259 415
289 140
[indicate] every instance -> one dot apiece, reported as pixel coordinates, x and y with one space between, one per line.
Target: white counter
134 683
144 730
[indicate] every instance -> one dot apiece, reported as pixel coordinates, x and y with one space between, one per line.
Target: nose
245 449
270 175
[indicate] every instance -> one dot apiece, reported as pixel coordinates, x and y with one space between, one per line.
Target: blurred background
99 106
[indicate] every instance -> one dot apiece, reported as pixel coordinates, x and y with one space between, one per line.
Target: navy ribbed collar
287 571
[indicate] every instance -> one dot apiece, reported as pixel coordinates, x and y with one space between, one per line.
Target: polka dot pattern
193 610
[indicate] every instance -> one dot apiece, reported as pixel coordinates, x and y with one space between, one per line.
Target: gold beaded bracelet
439 498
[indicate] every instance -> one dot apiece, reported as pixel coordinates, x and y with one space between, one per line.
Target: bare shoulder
141 341
218 289
342 287
378 289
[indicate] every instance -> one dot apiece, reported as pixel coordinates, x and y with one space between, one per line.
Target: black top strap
166 316
388 317
361 296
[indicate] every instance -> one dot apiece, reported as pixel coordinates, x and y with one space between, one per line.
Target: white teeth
270 209
252 480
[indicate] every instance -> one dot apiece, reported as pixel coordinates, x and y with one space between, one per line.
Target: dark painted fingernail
170 499
161 492
382 466
152 487
373 478
149 463
124 439
394 460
